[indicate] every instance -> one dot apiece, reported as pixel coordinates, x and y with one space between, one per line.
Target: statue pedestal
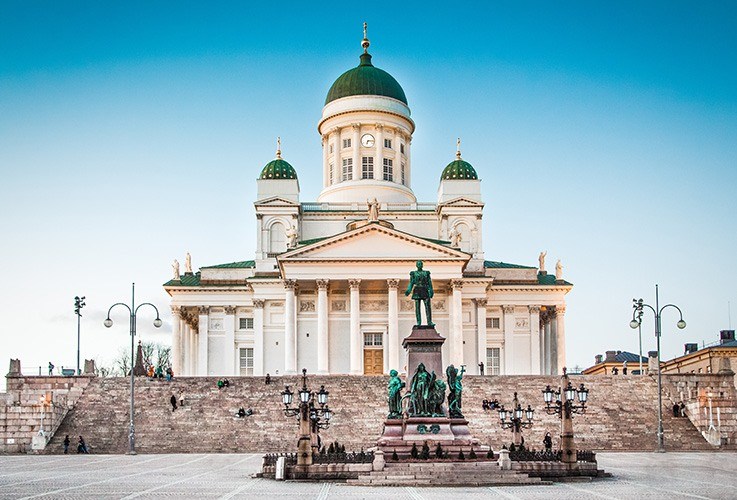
424 345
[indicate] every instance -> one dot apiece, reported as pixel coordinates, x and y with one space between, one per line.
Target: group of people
81 445
223 382
173 401
679 409
487 405
158 372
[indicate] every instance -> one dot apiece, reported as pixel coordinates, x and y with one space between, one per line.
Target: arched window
277 238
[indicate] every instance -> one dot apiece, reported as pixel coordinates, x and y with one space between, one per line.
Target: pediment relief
275 201
460 202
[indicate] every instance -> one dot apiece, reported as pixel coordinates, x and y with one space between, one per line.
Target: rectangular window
388 143
346 143
388 170
330 170
246 360
493 356
492 323
401 148
246 323
331 149
404 177
347 169
367 167
372 339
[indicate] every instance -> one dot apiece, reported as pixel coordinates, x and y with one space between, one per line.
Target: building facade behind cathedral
325 290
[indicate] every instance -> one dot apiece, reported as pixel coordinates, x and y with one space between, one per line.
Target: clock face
367 140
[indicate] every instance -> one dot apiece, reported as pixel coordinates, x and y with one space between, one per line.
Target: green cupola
278 168
365 79
459 169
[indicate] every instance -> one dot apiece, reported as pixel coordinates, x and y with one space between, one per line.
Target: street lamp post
564 406
638 305
78 305
512 419
310 417
133 311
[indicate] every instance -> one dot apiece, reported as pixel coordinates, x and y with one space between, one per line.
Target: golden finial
365 42
458 149
278 148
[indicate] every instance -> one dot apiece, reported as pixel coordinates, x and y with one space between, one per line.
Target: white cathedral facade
325 290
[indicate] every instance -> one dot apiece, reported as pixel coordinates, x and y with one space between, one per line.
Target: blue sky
131 133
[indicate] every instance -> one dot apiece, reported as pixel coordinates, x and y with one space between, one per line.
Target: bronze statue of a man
420 285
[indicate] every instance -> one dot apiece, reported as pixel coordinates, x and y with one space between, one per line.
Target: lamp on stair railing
515 419
133 311
638 305
314 414
562 402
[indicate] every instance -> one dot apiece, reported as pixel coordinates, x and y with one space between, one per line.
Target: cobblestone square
636 475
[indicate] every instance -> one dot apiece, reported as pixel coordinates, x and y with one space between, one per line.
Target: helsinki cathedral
325 287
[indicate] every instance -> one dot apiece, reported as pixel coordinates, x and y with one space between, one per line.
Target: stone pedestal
424 345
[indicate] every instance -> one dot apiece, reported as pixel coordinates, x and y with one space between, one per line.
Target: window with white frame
401 148
493 360
388 169
492 323
367 167
346 143
347 169
330 173
388 143
245 323
246 360
404 176
373 339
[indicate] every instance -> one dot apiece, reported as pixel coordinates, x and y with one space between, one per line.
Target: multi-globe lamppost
133 311
310 417
78 305
565 410
513 419
638 305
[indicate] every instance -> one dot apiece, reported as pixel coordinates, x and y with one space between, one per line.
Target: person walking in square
82 446
173 401
66 444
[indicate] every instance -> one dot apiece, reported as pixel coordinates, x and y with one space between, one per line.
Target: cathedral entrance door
373 354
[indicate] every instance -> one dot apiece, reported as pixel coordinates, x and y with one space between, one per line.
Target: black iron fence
360 457
549 456
271 458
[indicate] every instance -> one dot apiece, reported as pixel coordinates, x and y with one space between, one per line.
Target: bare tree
163 356
122 363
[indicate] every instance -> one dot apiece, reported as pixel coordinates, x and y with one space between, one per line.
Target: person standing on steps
82 446
173 401
548 442
66 444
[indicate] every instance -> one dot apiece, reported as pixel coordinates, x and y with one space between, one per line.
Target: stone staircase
621 416
444 474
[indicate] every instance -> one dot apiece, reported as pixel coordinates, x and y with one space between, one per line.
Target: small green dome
366 79
459 169
278 169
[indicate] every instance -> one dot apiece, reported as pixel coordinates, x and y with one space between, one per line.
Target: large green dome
459 169
278 169
366 79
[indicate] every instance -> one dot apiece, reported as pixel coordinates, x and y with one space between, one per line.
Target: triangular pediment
276 201
461 202
374 242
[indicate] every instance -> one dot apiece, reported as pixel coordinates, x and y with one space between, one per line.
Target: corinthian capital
203 310
560 310
176 311
322 284
481 302
508 309
392 283
354 283
258 303
456 283
534 309
229 309
290 284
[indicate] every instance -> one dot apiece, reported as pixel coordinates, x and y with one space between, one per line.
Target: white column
194 349
535 340
325 162
290 335
548 345
337 165
509 365
202 341
481 331
379 151
229 347
409 168
356 342
560 330
392 343
176 340
258 336
356 145
456 328
323 353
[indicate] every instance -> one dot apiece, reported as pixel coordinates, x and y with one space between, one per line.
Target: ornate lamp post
561 402
133 311
638 305
312 418
78 305
513 419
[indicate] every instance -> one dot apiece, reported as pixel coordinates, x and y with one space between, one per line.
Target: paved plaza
636 475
